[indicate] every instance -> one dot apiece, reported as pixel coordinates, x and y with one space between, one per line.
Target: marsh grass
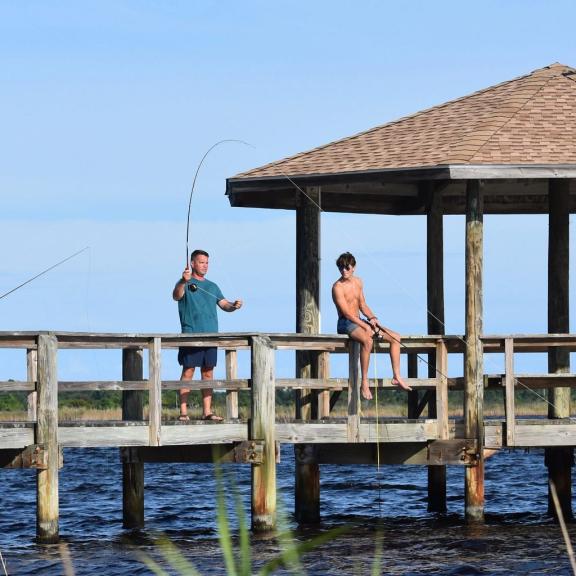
238 557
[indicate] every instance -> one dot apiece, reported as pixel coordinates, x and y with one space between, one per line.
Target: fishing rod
44 272
194 184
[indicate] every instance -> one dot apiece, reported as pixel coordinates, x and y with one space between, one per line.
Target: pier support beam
435 303
262 427
559 460
473 362
47 528
307 480
132 473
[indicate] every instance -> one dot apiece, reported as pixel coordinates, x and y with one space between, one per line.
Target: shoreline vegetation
99 405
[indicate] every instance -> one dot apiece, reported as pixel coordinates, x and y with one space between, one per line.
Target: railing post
32 376
509 404
263 427
442 390
155 392
132 473
231 395
353 392
324 395
47 529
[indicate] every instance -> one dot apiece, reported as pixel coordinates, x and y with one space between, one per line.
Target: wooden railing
42 385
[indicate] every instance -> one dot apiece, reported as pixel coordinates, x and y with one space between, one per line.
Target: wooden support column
559 460
263 427
47 530
435 317
354 401
132 410
413 396
473 362
307 481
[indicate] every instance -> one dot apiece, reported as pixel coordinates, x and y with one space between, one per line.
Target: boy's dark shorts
192 357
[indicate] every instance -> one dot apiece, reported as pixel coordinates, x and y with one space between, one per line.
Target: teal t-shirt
198 309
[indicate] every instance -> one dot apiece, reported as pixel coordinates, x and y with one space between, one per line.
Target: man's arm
179 289
365 309
229 306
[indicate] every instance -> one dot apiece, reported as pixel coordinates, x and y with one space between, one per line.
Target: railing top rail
288 341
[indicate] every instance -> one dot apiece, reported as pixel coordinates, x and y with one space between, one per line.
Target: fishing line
194 184
44 272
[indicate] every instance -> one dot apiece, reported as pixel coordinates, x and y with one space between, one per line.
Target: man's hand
237 304
187 274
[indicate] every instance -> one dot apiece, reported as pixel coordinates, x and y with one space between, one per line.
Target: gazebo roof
515 133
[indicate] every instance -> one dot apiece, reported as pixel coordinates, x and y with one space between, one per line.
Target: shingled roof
529 121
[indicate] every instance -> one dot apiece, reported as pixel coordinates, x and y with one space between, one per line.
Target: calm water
518 537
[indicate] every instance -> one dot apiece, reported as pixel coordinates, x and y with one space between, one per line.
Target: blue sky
106 109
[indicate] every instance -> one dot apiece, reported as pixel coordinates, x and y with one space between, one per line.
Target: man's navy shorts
191 357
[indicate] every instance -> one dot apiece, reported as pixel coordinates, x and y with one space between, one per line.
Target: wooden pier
429 436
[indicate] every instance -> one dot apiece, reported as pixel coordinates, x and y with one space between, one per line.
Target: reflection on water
387 506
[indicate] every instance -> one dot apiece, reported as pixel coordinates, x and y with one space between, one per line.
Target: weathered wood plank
47 506
262 428
32 376
353 393
102 436
231 374
203 433
155 394
509 388
442 390
16 437
473 362
17 386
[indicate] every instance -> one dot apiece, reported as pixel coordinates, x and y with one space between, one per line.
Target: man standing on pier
197 298
348 296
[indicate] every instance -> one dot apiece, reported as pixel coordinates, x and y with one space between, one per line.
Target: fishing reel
192 287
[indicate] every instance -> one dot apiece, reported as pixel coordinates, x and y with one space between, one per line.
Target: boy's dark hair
199 253
346 259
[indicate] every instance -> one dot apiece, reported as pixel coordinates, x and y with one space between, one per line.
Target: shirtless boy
348 296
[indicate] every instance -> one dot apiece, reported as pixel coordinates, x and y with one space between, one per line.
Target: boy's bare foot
401 383
365 391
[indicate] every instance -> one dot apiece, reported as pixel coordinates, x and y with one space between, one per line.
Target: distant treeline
106 400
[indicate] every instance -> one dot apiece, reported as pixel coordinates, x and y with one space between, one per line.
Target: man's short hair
199 253
346 259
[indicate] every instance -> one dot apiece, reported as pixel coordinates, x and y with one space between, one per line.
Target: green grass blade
224 534
302 548
245 549
376 565
152 565
175 558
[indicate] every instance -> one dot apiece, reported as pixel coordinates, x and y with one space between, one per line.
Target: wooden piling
473 362
47 529
307 475
559 460
435 321
132 410
263 427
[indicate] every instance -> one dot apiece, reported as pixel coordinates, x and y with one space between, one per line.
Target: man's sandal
183 418
212 418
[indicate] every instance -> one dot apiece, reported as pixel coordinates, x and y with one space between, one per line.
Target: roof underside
515 135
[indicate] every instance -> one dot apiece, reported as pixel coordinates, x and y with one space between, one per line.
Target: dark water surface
387 506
